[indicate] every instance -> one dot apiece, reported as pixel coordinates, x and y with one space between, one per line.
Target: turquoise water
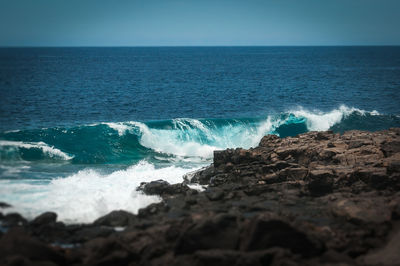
82 127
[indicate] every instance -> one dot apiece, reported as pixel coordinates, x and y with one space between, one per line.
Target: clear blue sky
200 22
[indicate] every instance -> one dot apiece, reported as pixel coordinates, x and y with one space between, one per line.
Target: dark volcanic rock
202 176
46 227
266 233
45 218
4 205
107 251
219 232
161 187
86 233
315 199
17 246
326 161
13 219
321 182
214 193
116 218
154 187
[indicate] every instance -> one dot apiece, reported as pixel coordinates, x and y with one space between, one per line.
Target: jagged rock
214 194
44 218
390 148
107 251
53 231
268 140
297 173
116 218
13 219
86 233
153 209
4 205
219 232
17 243
154 187
321 182
161 187
266 233
315 199
221 157
202 176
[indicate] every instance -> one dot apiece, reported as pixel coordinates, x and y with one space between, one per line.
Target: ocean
81 128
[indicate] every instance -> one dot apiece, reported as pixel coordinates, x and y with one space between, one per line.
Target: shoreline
318 198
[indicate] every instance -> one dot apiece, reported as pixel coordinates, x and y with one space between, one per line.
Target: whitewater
86 171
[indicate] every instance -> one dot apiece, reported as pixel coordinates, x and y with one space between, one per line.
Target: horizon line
195 46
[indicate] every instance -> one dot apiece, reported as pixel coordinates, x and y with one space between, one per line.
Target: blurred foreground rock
316 199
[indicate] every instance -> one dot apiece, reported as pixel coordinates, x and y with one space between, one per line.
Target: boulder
391 147
16 242
202 176
44 219
315 199
116 218
320 182
214 193
264 233
107 251
13 219
161 187
219 232
86 233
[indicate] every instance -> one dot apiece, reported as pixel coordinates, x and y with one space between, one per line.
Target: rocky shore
315 199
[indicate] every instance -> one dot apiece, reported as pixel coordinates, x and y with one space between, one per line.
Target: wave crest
184 139
44 148
321 121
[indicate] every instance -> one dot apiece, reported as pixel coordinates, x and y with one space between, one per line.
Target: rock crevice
319 198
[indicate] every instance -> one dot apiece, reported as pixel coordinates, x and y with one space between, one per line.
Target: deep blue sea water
80 128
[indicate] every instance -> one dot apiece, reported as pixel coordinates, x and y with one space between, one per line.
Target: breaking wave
30 150
183 139
86 171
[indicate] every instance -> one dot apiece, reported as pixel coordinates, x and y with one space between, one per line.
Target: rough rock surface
315 199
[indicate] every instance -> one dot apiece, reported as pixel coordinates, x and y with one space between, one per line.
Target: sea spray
88 194
171 140
85 171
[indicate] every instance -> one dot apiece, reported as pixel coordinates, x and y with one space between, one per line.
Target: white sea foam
46 149
88 194
374 113
13 170
320 121
195 140
120 127
191 138
197 187
12 131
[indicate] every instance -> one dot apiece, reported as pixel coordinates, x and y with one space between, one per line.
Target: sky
198 23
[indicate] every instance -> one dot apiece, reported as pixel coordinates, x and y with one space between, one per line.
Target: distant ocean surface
81 128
